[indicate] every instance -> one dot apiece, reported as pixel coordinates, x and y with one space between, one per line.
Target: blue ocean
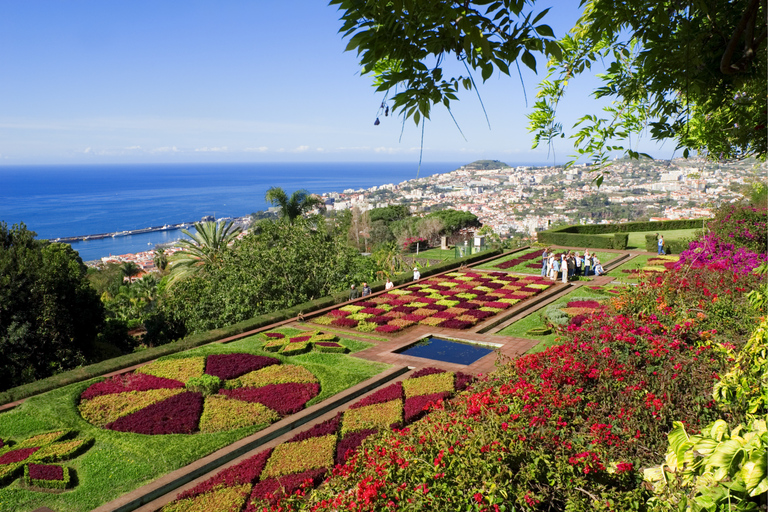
61 201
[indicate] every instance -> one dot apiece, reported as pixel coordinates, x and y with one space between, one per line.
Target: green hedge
671 247
196 340
597 236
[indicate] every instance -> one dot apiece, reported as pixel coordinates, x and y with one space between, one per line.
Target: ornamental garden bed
634 269
306 459
456 300
569 308
120 461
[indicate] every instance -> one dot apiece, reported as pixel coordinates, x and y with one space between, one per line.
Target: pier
81 238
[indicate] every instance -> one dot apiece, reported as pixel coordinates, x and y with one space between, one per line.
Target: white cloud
260 149
165 149
87 150
220 149
133 148
301 149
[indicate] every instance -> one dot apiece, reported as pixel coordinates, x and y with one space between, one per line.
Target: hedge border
246 327
596 235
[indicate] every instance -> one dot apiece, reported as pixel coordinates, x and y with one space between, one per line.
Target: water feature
446 350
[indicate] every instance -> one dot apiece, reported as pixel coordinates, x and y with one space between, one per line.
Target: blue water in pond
447 351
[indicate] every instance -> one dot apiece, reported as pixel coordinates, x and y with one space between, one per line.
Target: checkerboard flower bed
455 292
593 304
257 390
305 459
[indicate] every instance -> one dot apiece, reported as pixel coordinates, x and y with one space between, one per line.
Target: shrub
128 382
381 415
181 369
276 374
297 457
49 476
428 384
204 384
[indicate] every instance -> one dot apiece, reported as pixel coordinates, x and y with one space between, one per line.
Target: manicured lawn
118 461
521 327
435 253
637 238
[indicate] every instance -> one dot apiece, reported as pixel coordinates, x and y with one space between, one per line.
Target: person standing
564 267
578 262
366 290
353 293
416 274
544 260
554 266
587 262
661 244
389 284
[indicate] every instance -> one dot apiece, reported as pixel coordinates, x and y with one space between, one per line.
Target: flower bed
303 461
257 390
29 459
437 302
315 340
47 476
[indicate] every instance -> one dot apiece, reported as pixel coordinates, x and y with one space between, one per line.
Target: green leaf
529 60
545 30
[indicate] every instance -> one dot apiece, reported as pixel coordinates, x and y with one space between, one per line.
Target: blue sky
235 81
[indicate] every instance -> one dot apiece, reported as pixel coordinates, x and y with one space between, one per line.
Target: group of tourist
568 265
353 292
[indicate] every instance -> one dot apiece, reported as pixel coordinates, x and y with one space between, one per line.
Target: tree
49 313
204 251
130 269
282 265
161 260
300 202
692 71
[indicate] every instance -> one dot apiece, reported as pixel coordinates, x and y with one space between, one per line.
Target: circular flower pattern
164 397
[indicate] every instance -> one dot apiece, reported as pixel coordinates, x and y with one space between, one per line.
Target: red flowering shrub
351 442
231 366
272 489
129 382
284 398
340 313
416 406
176 415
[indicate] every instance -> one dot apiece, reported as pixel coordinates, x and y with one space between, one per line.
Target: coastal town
520 201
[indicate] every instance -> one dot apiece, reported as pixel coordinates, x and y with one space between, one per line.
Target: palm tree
130 269
161 260
298 204
205 249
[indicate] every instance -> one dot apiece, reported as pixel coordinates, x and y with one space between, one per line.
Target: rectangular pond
446 350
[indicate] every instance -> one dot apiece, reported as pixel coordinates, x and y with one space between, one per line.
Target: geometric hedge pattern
260 480
199 394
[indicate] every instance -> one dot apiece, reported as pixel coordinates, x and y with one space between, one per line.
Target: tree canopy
692 72
49 314
299 202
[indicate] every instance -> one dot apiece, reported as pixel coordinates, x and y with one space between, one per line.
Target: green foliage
404 44
454 220
204 251
49 313
719 469
300 202
205 384
389 213
594 235
692 72
283 265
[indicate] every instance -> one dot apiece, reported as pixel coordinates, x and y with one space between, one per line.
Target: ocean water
61 201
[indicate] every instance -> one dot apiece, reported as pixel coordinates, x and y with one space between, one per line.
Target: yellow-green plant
719 469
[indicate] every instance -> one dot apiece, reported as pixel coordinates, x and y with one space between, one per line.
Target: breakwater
99 236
